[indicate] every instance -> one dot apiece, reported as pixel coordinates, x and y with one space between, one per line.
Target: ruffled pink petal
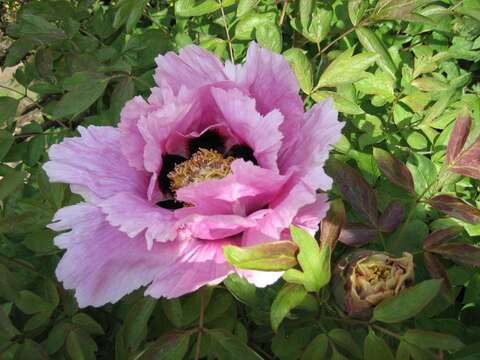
309 216
261 133
192 68
294 196
214 227
319 132
132 141
159 124
134 215
95 165
201 264
102 263
271 81
247 189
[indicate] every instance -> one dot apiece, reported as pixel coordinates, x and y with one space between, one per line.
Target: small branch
229 40
200 324
284 11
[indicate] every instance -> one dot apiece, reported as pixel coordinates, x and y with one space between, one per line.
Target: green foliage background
399 72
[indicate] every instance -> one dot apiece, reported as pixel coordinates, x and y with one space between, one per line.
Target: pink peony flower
218 154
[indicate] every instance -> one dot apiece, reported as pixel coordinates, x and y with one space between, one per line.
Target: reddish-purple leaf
356 235
437 271
392 217
462 253
458 137
456 208
332 224
468 161
440 237
355 190
393 169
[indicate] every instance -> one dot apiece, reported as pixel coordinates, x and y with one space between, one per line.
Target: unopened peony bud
363 278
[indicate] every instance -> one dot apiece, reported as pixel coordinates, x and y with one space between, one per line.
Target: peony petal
294 196
101 263
271 81
319 132
132 141
247 189
201 264
133 215
309 216
261 133
95 162
216 226
192 68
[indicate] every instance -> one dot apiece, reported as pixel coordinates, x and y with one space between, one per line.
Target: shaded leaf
356 235
170 346
135 327
287 299
227 346
393 169
317 349
462 253
332 224
432 340
440 236
10 183
355 190
375 348
8 109
458 137
345 341
456 208
437 271
407 303
392 216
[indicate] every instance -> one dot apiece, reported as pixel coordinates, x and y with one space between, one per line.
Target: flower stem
200 324
229 40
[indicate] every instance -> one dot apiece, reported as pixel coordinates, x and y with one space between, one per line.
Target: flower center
203 165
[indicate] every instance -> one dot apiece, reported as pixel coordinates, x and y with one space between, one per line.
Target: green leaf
187 8
317 349
345 341
30 303
7 330
423 171
372 43
227 346
271 256
29 350
432 340
340 103
346 68
314 261
429 84
287 299
356 10
136 322
80 346
246 27
244 6
129 12
87 324
8 109
375 348
84 90
6 142
242 290
301 67
407 303
10 183
269 36
169 346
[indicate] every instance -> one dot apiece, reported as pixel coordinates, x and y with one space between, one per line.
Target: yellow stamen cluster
203 165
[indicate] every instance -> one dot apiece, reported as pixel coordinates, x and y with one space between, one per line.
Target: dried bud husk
363 278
